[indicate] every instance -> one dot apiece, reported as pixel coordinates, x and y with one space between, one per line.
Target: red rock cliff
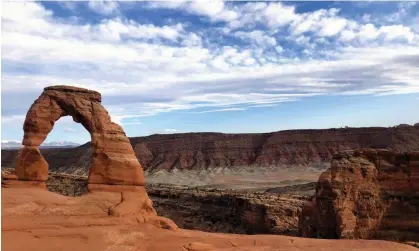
206 150
366 194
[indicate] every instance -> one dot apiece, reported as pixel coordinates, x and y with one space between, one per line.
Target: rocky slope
366 194
193 151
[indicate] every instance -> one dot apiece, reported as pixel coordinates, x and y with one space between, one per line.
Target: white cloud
369 32
333 26
114 29
15 119
70 129
31 20
347 35
279 49
278 14
6 141
164 131
398 31
258 37
215 10
322 22
133 121
140 75
223 110
104 7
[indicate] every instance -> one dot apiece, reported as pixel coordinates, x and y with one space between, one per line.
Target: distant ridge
198 151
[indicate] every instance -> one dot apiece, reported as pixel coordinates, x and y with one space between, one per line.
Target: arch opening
113 161
67 176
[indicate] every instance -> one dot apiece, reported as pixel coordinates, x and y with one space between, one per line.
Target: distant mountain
13 144
10 144
59 144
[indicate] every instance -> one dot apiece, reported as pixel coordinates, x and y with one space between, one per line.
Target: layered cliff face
294 147
366 194
196 151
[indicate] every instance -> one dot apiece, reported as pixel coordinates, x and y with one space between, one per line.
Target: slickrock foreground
366 194
38 220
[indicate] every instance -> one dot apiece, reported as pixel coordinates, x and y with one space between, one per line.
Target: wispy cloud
5 141
164 131
223 110
70 129
239 56
104 7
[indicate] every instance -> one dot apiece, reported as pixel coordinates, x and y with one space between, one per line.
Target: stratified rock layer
113 159
196 151
366 194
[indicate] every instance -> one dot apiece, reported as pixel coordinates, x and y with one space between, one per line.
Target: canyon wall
228 211
193 151
366 194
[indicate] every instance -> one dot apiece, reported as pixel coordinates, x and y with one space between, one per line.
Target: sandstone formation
113 159
31 165
114 168
366 194
38 220
196 151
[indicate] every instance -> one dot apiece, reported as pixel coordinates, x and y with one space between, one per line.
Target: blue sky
236 67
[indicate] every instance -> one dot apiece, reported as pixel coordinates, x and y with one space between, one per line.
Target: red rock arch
113 160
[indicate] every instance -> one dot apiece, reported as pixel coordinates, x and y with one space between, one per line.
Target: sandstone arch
113 159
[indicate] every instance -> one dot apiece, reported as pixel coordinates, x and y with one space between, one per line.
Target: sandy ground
35 219
254 178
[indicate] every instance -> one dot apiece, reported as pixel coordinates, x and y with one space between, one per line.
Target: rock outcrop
113 159
196 151
366 194
114 168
